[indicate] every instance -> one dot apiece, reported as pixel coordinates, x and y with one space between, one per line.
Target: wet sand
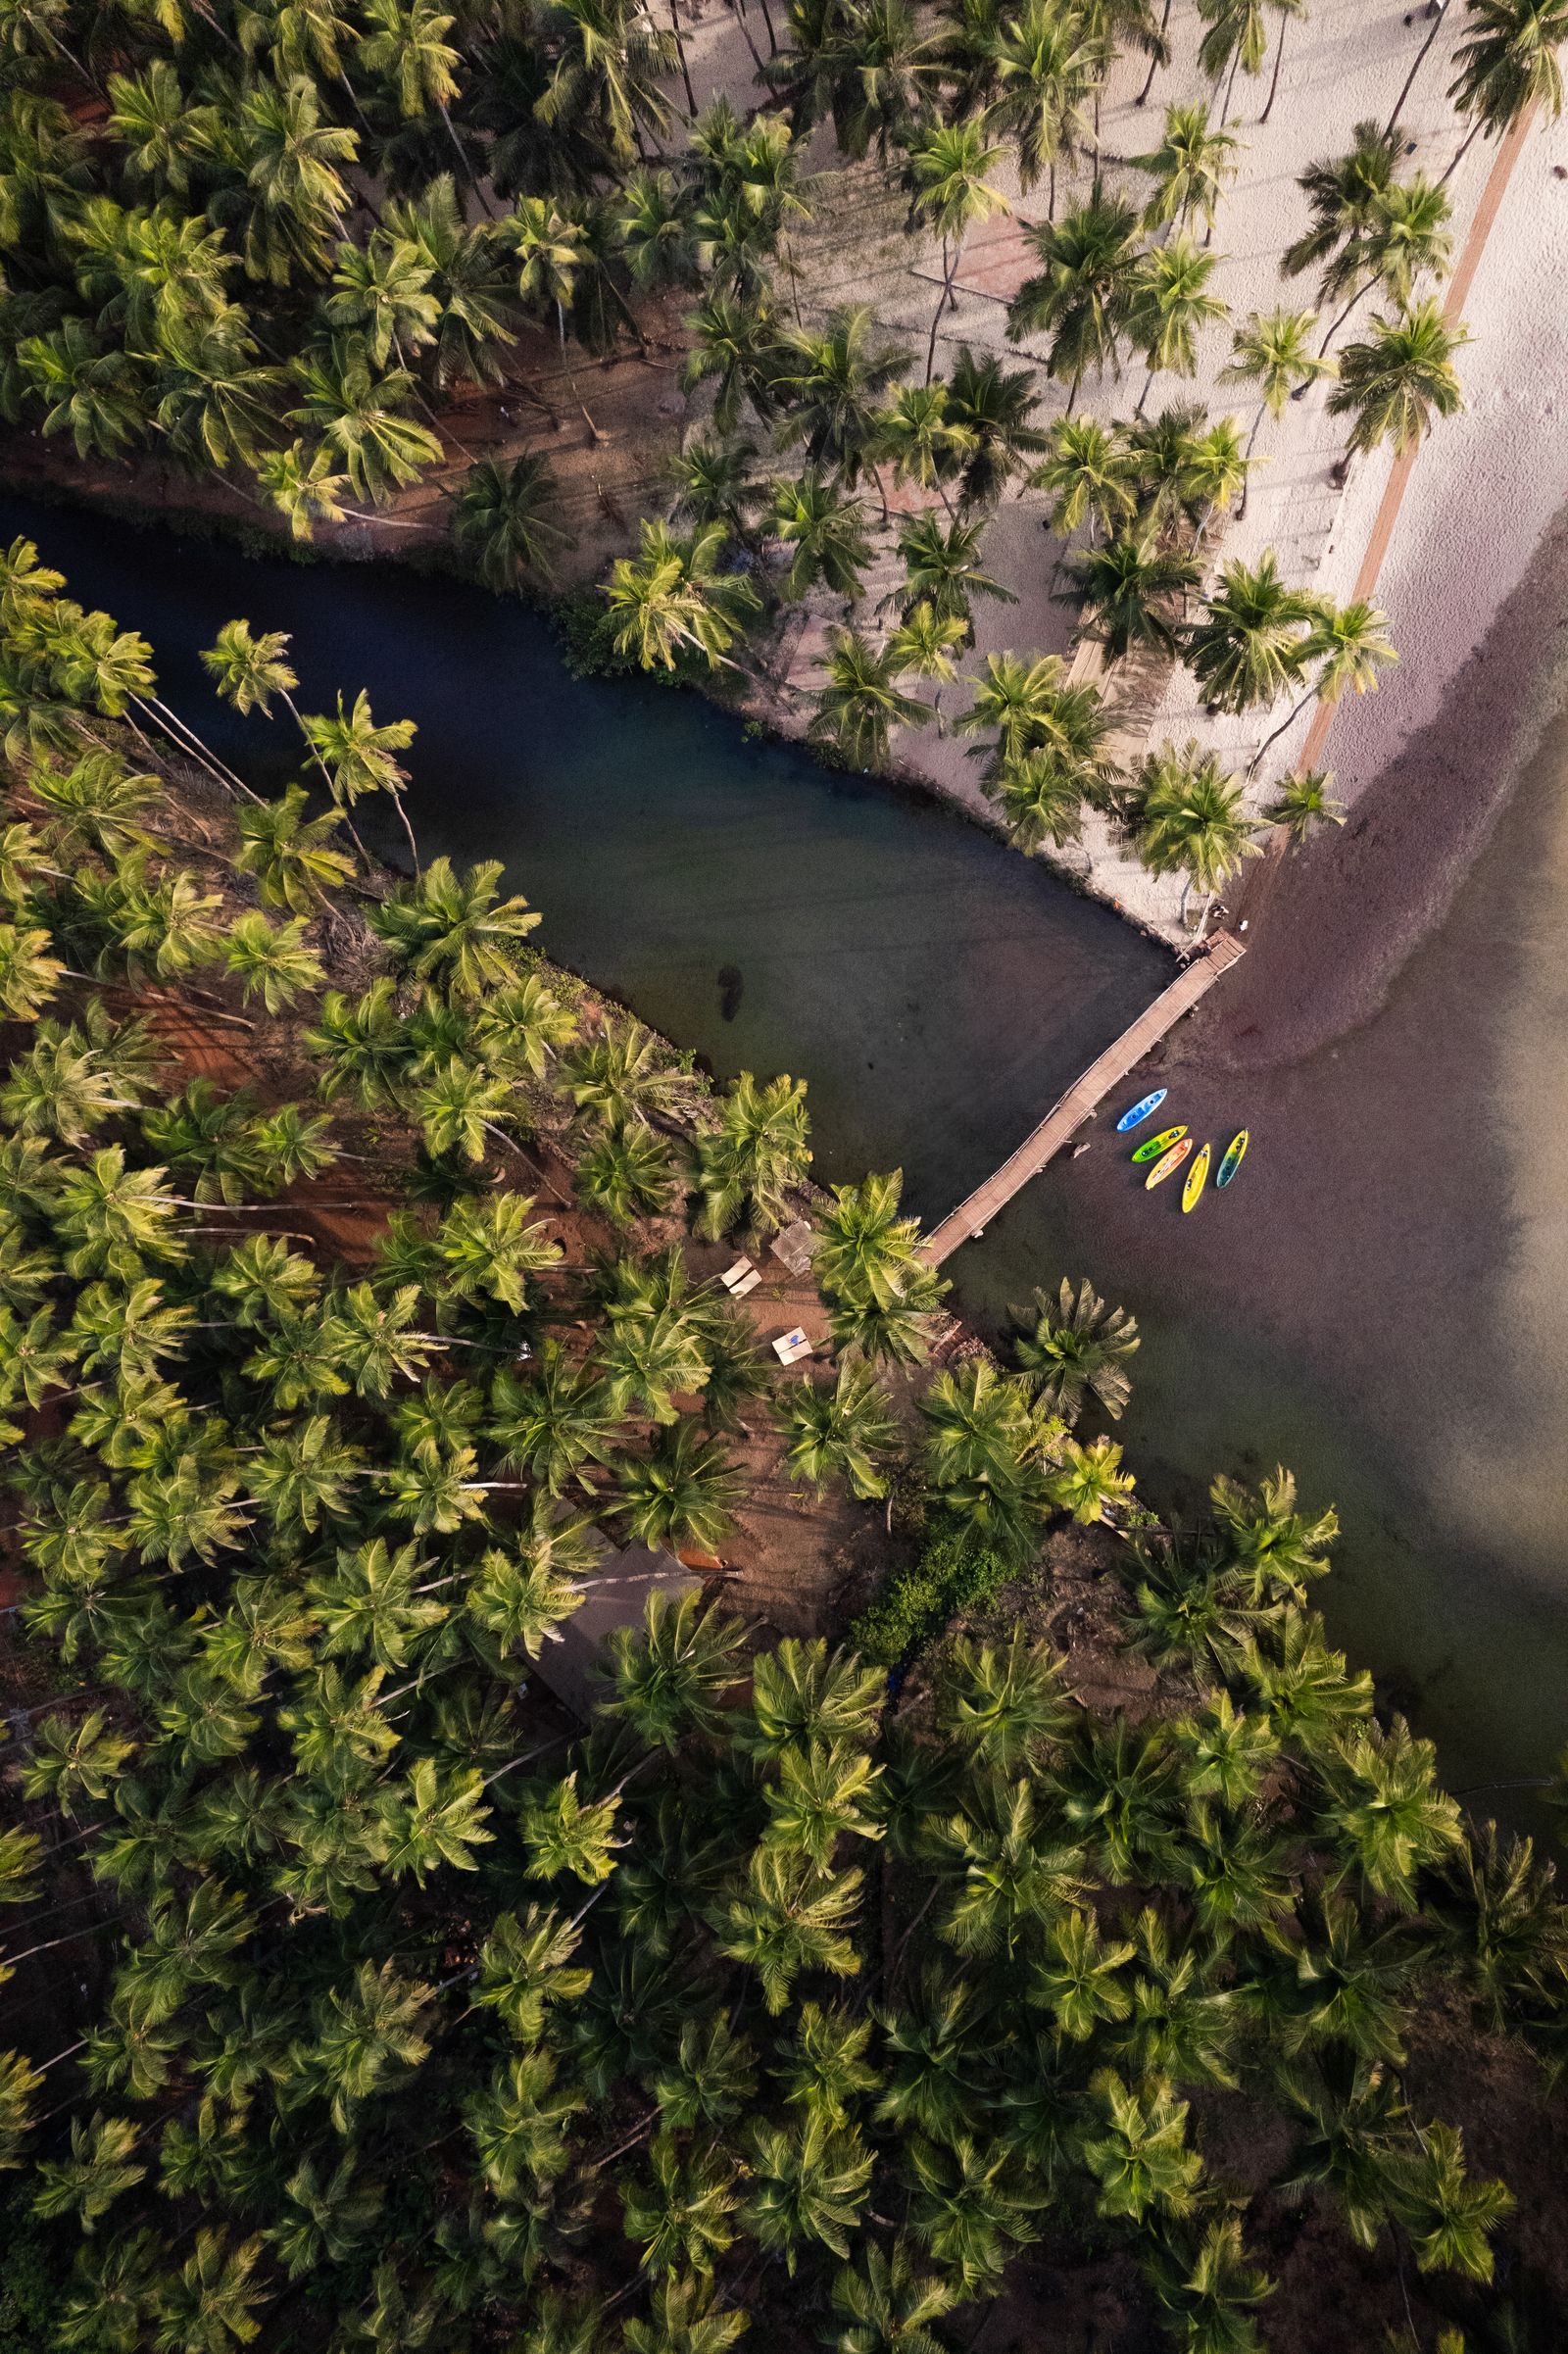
1382 1299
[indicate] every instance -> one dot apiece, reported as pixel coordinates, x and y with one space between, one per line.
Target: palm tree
506 521
356 756
1350 645
919 438
1083 297
846 1431
1236 36
1188 816
604 79
1042 794
942 567
991 405
1273 351
455 932
1507 61
1285 10
1406 238
1079 1349
356 413
863 1244
288 852
1133 591
1343 197
886 2306
1304 802
1205 2285
1034 706
684 1492
735 344
1091 474
755 1158
826 531
1396 382
715 483
1042 65
862 701
1171 303
291 195
1135 2146
1251 642
675 600
1192 167
834 381
1503 1928
1382 1812
625 1073
951 192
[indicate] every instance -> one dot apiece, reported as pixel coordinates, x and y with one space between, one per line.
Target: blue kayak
1142 1110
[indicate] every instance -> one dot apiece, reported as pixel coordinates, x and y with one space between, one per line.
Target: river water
1380 1301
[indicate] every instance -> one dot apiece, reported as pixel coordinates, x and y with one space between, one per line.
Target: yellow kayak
1171 1160
1197 1179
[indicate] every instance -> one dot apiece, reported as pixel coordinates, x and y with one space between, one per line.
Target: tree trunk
1279 52
948 266
1247 457
1440 11
1153 62
680 52
740 18
1289 721
1465 145
1340 321
772 37
1072 389
1149 381
1230 83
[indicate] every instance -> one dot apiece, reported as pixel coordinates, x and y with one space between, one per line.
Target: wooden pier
973 1215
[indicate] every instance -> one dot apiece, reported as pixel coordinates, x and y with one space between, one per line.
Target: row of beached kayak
1172 1146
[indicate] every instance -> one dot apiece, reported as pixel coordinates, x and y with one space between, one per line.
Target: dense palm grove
266 239
785 1993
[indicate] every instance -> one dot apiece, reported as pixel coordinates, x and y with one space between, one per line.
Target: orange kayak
1171 1160
1196 1177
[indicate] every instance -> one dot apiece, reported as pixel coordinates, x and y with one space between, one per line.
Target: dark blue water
936 990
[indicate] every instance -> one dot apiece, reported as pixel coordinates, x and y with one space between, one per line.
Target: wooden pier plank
1068 1113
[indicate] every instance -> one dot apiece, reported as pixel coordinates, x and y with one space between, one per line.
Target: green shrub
957 1571
35 2272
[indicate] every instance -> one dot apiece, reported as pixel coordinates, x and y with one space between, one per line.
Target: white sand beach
1486 485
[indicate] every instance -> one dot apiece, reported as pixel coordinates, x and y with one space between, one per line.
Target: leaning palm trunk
1153 62
1288 721
1274 82
680 52
1359 295
1440 10
950 265
1246 457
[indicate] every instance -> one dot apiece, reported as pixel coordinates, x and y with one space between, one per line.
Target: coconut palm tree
1084 295
1251 642
603 86
1285 10
1402 376
1190 815
1204 2283
1273 351
1078 1350
735 346
834 381
1304 802
1236 35
356 413
1407 238
1343 197
885 2305
919 439
1091 475
758 1157
861 702
948 173
824 527
675 600
1171 304
1042 794
942 567
846 1433
715 481
684 1492
991 405
1034 706
506 521
1042 66
1132 592
1350 645
1192 167
1508 61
